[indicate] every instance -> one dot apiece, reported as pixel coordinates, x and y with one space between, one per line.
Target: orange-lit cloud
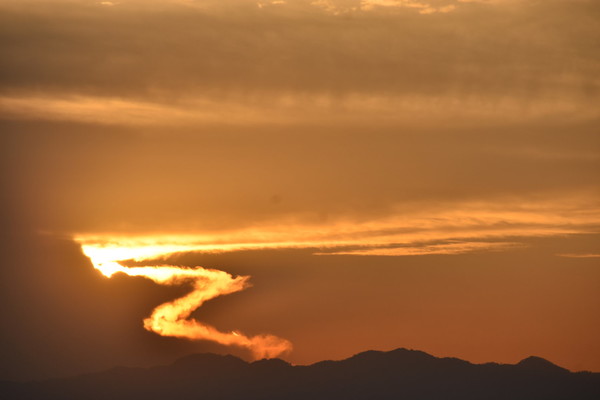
577 255
455 229
173 318
285 108
423 7
368 128
445 248
465 228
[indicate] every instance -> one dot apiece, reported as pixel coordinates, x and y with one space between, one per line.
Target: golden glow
173 318
283 109
584 255
463 228
447 248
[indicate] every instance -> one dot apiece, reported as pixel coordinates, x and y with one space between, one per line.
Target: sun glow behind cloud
418 228
466 228
173 318
427 135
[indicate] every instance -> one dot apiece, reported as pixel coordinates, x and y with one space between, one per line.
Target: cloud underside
205 61
386 127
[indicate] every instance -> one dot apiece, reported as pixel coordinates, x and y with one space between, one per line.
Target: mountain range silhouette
398 374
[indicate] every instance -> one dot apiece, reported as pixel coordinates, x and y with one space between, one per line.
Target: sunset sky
365 174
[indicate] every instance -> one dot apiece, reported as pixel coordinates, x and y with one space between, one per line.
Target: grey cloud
166 49
73 177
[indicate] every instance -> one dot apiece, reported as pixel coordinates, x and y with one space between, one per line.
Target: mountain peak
539 364
401 373
401 352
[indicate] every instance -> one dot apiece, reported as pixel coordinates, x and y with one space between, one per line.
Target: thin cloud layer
527 53
285 109
462 229
86 178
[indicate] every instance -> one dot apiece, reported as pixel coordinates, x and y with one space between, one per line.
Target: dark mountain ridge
398 374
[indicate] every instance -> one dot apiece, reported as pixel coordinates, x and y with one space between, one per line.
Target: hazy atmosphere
351 175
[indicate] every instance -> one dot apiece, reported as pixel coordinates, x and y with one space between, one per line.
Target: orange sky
418 174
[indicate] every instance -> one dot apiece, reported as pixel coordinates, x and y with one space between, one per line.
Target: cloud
579 255
282 109
118 111
345 118
429 249
200 130
174 318
462 229
424 8
222 51
87 178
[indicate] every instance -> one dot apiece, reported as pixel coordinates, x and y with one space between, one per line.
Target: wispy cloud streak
463 228
579 255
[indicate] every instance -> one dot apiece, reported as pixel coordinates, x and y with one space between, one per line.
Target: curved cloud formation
173 318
